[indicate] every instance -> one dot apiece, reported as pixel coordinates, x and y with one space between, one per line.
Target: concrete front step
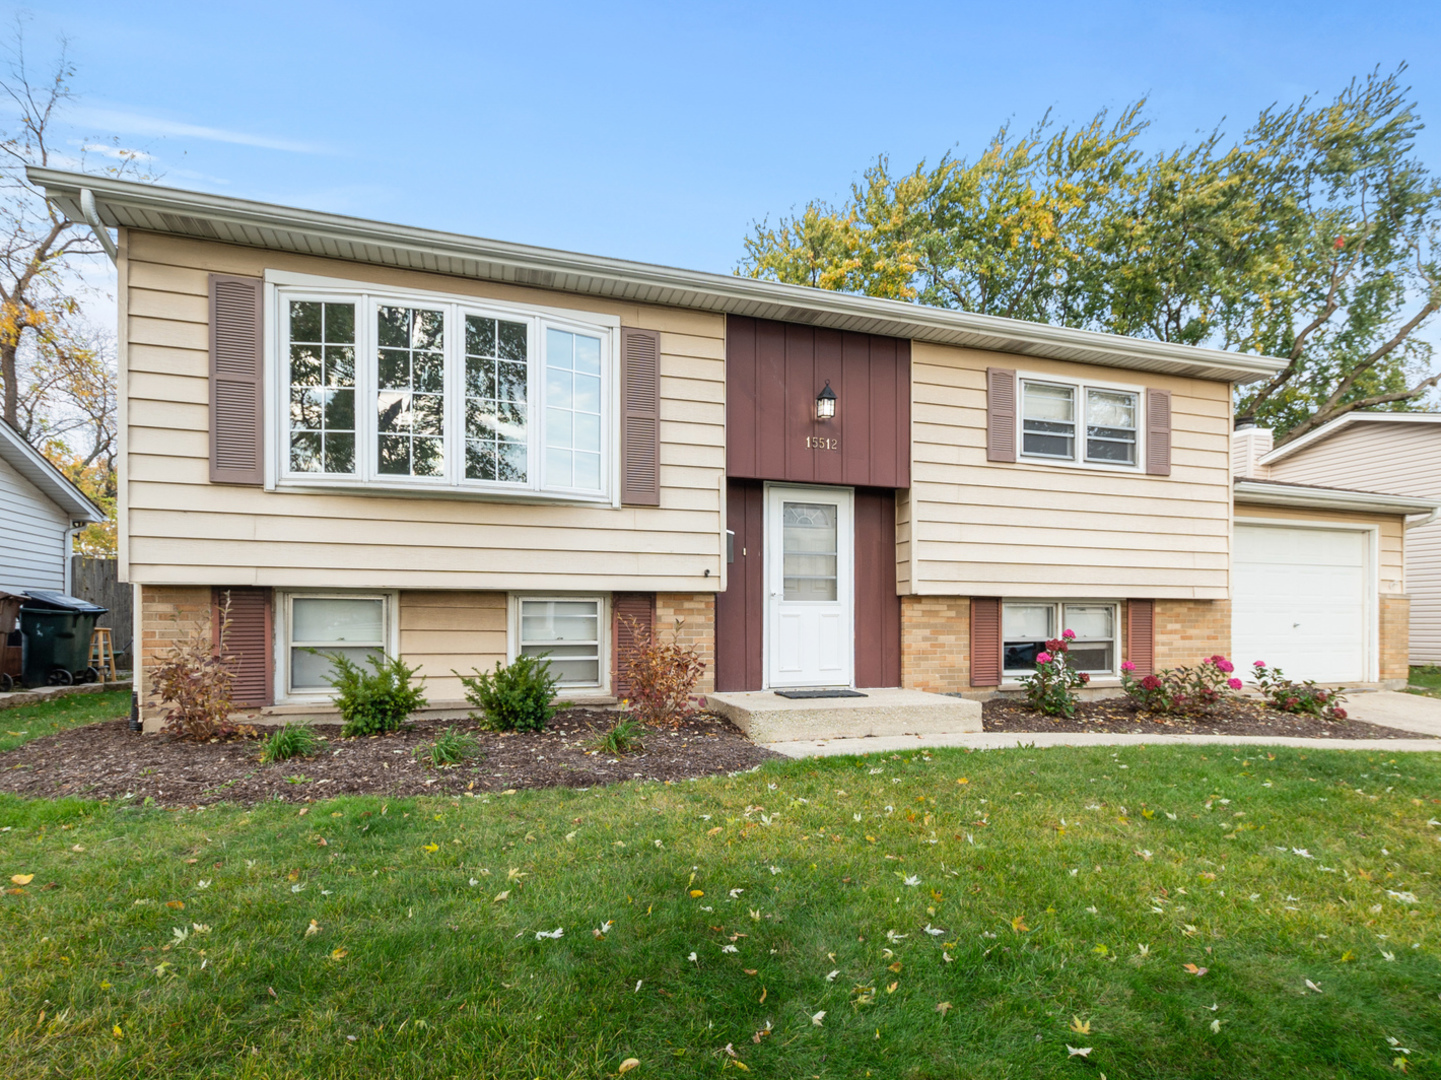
767 717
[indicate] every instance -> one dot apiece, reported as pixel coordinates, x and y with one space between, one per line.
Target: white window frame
285 602
1058 614
603 628
1079 460
283 287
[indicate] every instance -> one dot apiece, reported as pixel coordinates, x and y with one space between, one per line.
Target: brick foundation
1395 637
1188 631
168 613
936 643
697 628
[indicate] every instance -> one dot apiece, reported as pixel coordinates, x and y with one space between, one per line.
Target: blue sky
659 132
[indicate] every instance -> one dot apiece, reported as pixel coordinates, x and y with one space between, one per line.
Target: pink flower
1043 658
1085 678
1339 714
1225 666
1234 684
1259 663
1069 635
1126 665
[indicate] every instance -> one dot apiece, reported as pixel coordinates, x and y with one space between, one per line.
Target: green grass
1425 678
1044 869
26 722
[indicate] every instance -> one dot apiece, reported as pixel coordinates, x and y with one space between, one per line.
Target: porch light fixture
826 403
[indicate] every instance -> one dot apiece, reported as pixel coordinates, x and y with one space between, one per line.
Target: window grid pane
1048 420
1025 629
351 626
410 394
572 410
322 387
497 373
1093 650
567 632
1111 426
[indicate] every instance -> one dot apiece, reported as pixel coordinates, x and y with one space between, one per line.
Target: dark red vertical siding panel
629 612
883 470
985 641
878 608
857 447
741 409
799 372
830 366
1141 635
740 610
902 447
249 642
770 393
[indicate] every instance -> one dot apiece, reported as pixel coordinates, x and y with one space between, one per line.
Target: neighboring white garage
1301 600
1318 582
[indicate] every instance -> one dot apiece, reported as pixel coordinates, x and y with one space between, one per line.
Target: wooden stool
102 654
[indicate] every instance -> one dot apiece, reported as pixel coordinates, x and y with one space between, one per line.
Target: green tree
1312 237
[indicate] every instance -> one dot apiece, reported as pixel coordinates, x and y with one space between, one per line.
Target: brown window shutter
640 417
236 380
1000 414
1158 432
985 641
628 611
249 642
1141 635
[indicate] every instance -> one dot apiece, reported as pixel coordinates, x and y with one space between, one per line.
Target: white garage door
1300 601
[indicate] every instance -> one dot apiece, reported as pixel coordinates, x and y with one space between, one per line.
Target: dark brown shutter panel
1158 432
236 380
985 641
1000 414
640 417
1141 635
249 643
628 611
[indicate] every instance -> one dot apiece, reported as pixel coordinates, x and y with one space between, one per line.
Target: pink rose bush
1184 690
1051 689
1292 697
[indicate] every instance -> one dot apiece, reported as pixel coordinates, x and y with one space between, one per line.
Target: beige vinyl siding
442 632
1397 459
1391 536
981 528
181 528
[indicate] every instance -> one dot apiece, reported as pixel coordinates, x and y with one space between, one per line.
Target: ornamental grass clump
451 747
290 741
1293 697
623 737
1051 689
1182 690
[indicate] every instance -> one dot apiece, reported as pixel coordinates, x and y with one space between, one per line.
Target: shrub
515 697
1174 691
290 741
451 747
661 678
376 701
1051 689
622 738
196 680
1293 697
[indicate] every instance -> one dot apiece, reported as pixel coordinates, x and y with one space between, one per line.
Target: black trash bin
56 630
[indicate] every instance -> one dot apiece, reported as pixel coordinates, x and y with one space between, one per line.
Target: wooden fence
98 581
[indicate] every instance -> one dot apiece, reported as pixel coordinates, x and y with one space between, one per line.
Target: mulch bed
1234 717
107 761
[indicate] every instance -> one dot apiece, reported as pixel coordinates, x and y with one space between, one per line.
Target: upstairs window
403 391
1084 424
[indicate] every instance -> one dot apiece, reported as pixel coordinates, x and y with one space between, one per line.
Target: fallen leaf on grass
554 935
1018 924
1079 1026
501 896
627 1065
1312 986
819 1018
177 904
943 1007
22 879
117 1032
1194 970
432 848
339 954
1077 1051
313 928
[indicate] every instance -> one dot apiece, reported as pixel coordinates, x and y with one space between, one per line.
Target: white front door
810 573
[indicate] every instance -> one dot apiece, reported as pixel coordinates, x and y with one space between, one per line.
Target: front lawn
26 722
1137 912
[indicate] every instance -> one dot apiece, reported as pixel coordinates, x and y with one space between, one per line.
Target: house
462 450
39 511
1395 453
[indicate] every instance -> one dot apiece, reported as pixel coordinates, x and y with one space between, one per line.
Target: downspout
92 218
1422 522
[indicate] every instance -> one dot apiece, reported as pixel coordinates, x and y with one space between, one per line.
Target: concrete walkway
999 740
1409 712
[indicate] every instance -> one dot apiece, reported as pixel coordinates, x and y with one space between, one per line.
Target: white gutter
1273 494
1422 522
92 218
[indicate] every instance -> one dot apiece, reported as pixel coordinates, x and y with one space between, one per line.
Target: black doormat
818 693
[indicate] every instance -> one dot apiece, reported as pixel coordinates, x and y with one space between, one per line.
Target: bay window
1026 626
400 390
1070 422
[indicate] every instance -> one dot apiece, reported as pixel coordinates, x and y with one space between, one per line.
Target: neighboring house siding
183 529
32 536
978 528
1397 459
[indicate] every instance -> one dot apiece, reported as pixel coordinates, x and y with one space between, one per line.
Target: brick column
697 629
1188 631
168 614
936 643
1395 637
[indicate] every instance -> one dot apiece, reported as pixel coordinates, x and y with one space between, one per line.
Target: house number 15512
819 442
